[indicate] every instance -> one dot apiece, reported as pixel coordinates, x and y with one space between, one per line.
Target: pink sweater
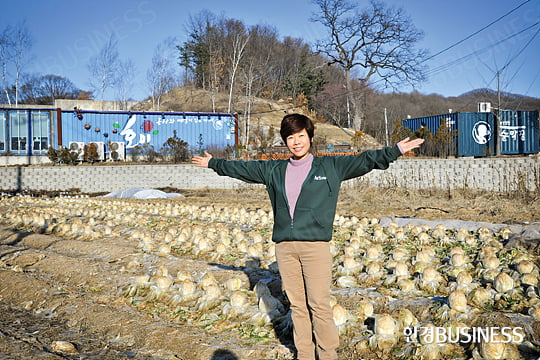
296 174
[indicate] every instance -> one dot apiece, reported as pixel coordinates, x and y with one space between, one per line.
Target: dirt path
71 290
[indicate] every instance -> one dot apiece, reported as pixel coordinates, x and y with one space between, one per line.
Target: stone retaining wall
498 174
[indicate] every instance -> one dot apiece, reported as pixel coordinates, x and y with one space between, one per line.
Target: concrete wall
501 174
98 105
69 104
107 178
497 174
6 160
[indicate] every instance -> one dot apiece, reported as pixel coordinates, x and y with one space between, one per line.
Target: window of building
18 125
40 130
2 131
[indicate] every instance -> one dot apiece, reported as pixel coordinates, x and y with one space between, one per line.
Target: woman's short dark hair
294 123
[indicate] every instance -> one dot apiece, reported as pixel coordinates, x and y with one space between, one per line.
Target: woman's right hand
201 161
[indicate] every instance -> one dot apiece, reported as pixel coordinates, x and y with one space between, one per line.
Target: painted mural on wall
132 138
139 129
481 132
514 133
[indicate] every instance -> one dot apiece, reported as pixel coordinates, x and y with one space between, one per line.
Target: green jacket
316 206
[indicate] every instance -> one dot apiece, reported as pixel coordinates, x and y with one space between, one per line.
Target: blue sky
66 33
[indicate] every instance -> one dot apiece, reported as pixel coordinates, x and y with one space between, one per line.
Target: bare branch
103 67
379 39
161 76
125 81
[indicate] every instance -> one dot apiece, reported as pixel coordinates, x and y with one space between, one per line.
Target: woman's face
299 144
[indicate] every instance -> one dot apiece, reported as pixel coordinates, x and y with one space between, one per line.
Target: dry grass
432 204
429 204
264 112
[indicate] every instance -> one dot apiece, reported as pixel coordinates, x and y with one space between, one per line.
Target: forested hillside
268 112
236 66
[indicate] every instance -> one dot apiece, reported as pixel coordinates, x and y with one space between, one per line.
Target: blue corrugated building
31 131
474 133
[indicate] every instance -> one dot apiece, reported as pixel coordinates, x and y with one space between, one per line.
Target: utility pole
348 114
386 126
498 117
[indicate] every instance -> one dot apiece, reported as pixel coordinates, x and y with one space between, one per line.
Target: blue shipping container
432 123
475 132
519 132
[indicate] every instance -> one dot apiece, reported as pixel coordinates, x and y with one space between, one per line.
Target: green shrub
177 149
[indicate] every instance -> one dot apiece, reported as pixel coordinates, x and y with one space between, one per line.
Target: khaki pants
306 273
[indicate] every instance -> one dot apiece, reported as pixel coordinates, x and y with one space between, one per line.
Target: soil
58 288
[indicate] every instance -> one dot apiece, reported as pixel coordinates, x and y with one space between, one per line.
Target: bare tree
236 40
256 63
54 87
15 42
22 42
103 67
31 91
161 76
331 103
6 47
125 81
379 39
45 89
216 64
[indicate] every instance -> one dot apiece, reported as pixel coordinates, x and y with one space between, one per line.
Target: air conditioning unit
484 107
77 147
117 151
100 147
